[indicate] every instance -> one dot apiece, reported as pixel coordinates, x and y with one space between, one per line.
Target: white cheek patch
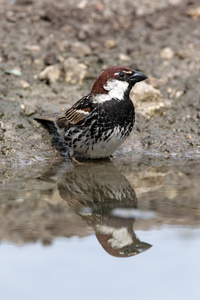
116 88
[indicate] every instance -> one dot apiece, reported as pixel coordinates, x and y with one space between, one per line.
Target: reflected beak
137 77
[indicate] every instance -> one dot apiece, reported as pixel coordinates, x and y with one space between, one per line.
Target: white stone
147 100
75 72
167 53
124 57
50 73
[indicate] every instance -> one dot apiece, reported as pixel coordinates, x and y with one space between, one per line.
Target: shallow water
79 269
101 230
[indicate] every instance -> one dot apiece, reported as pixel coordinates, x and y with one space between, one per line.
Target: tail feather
48 122
46 117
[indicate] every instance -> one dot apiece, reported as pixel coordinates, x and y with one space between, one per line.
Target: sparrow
96 125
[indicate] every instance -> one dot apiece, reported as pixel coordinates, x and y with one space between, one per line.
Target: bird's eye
122 75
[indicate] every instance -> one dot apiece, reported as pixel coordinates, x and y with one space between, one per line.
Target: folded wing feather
75 116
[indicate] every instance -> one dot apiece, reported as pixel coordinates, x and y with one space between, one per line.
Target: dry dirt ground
72 41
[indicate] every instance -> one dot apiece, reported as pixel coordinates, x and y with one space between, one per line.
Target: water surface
101 230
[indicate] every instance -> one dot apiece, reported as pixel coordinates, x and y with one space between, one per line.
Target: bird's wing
76 115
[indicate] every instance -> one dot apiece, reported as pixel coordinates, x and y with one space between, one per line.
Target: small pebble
80 49
29 111
193 12
50 59
167 53
174 93
24 84
124 57
15 72
75 72
175 2
33 47
110 44
50 73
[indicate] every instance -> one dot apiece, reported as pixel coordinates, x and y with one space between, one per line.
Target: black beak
137 77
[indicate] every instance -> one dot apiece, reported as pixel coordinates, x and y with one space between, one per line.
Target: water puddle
101 230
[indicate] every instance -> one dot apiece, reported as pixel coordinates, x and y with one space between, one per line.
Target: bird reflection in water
105 200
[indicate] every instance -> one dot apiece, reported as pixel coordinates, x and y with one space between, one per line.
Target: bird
97 124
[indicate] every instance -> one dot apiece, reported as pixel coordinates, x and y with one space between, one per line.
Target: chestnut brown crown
120 73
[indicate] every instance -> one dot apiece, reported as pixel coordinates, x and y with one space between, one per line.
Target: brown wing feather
75 116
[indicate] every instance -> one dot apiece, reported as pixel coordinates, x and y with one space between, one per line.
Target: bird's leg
76 161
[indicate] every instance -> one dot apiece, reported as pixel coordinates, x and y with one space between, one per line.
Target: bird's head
116 82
